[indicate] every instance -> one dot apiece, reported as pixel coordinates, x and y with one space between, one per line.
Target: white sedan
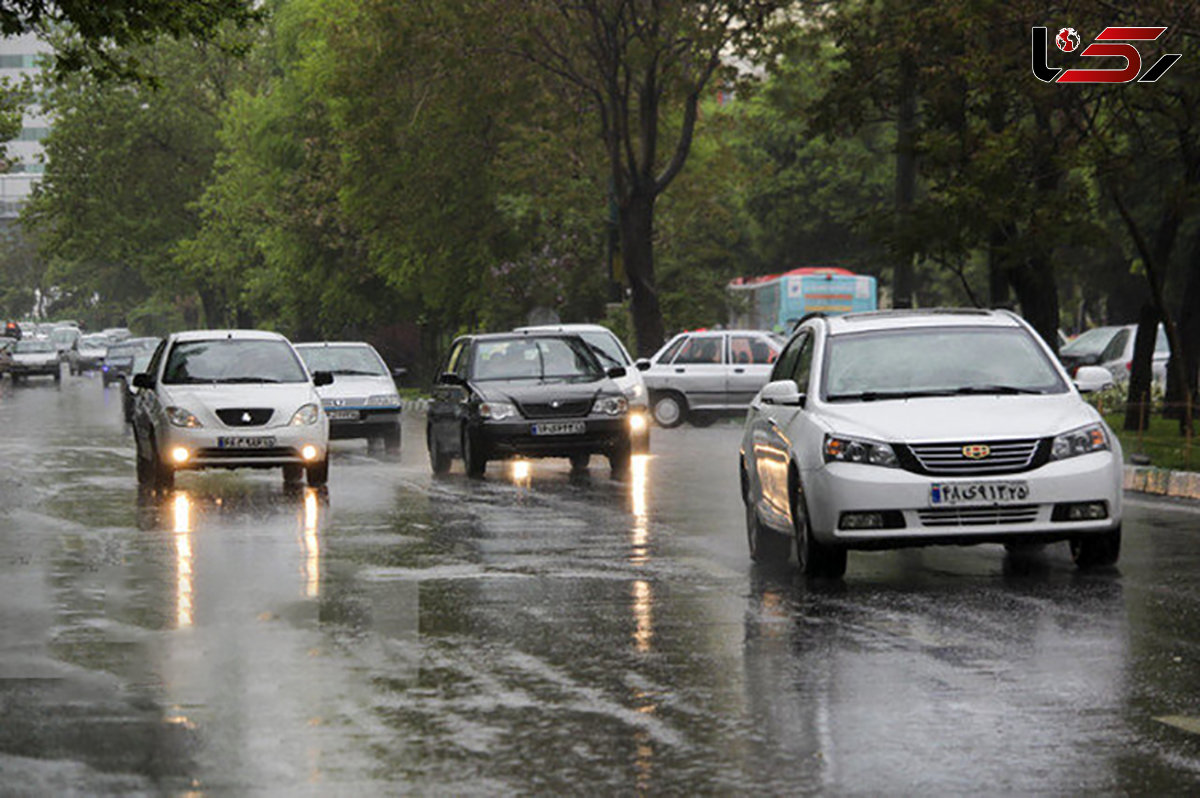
893 429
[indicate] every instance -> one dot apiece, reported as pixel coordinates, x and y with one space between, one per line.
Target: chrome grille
566 408
1005 457
978 516
245 416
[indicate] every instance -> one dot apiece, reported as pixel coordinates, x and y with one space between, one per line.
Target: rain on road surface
539 632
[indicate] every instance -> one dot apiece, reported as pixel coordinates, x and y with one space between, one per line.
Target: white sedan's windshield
936 362
228 360
347 360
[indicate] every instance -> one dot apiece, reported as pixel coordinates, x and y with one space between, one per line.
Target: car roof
315 344
512 336
209 335
910 319
567 328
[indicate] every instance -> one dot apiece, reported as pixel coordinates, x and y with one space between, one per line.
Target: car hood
349 386
522 391
283 397
960 417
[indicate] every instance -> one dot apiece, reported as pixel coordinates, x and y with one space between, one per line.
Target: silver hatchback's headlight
180 417
1084 440
305 416
611 405
839 448
497 411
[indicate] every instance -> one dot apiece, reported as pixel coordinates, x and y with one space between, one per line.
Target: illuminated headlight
611 405
306 415
497 411
857 450
182 418
309 452
637 422
1084 440
384 399
180 455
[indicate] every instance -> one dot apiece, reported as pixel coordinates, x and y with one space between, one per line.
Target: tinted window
455 363
1091 342
534 358
348 360
803 368
785 367
232 360
672 348
751 350
701 349
1116 347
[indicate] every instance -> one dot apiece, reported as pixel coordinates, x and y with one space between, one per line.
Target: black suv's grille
565 408
245 416
990 457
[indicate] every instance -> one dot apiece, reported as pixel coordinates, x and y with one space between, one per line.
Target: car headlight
637 391
611 405
384 399
1084 440
497 411
182 418
856 450
305 416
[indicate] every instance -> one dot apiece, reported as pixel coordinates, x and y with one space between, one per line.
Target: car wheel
814 558
702 419
145 469
318 473
163 474
766 546
474 459
670 410
620 459
58 376
293 474
579 462
1096 550
391 441
438 460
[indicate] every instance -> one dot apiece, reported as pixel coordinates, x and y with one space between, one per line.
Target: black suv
521 395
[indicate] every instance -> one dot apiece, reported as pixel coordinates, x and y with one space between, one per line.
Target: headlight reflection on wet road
312 544
643 596
183 560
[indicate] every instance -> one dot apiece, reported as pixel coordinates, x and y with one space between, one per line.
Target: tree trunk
998 267
1189 341
1033 283
1137 410
906 181
637 252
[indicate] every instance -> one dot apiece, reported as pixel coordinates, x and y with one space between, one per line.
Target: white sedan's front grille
978 516
990 457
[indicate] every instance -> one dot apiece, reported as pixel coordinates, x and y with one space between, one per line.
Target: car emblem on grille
337 402
246 418
555 404
976 451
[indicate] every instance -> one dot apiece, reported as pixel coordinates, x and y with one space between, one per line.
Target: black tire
163 474
670 409
474 458
699 419
58 376
620 459
318 473
580 462
813 557
1096 550
145 469
391 441
293 474
766 546
438 459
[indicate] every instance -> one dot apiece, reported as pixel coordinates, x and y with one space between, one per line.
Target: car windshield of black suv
535 359
348 360
901 364
232 360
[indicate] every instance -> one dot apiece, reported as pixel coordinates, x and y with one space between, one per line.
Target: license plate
257 442
966 494
342 415
560 428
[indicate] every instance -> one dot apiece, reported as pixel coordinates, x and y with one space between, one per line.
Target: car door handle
680 371
739 371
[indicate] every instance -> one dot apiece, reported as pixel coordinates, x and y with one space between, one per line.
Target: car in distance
6 347
1112 348
33 358
698 373
229 399
87 353
12 330
64 339
362 402
611 352
506 395
118 360
909 428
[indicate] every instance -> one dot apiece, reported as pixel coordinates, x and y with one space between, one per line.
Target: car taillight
1129 366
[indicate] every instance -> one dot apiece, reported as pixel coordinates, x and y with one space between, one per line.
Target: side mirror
399 371
322 378
782 392
450 378
616 372
1092 378
642 364
143 382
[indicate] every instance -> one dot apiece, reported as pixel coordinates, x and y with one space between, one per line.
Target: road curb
1162 482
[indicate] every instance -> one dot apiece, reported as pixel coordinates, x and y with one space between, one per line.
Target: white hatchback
910 428
229 399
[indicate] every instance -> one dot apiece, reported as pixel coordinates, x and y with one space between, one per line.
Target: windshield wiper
230 380
358 373
872 396
1004 389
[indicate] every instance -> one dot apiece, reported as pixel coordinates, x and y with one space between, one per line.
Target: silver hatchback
697 374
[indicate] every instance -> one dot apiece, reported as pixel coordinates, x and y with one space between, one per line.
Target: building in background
20 57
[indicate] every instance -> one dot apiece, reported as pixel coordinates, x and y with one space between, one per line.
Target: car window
27 347
701 349
785 366
1091 342
1116 347
1161 344
937 360
803 370
672 349
751 350
606 347
156 359
454 362
534 358
232 360
355 361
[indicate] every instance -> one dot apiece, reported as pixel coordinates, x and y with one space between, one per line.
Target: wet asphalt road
544 633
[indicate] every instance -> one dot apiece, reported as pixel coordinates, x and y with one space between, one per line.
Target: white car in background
909 428
612 353
32 357
229 399
362 402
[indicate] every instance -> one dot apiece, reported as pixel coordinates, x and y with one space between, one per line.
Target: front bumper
369 423
514 437
840 488
205 449
23 370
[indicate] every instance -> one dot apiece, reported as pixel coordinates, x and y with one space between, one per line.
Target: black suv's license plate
255 442
560 428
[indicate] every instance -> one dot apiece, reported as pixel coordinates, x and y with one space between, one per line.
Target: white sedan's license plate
256 442
966 494
342 415
560 428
